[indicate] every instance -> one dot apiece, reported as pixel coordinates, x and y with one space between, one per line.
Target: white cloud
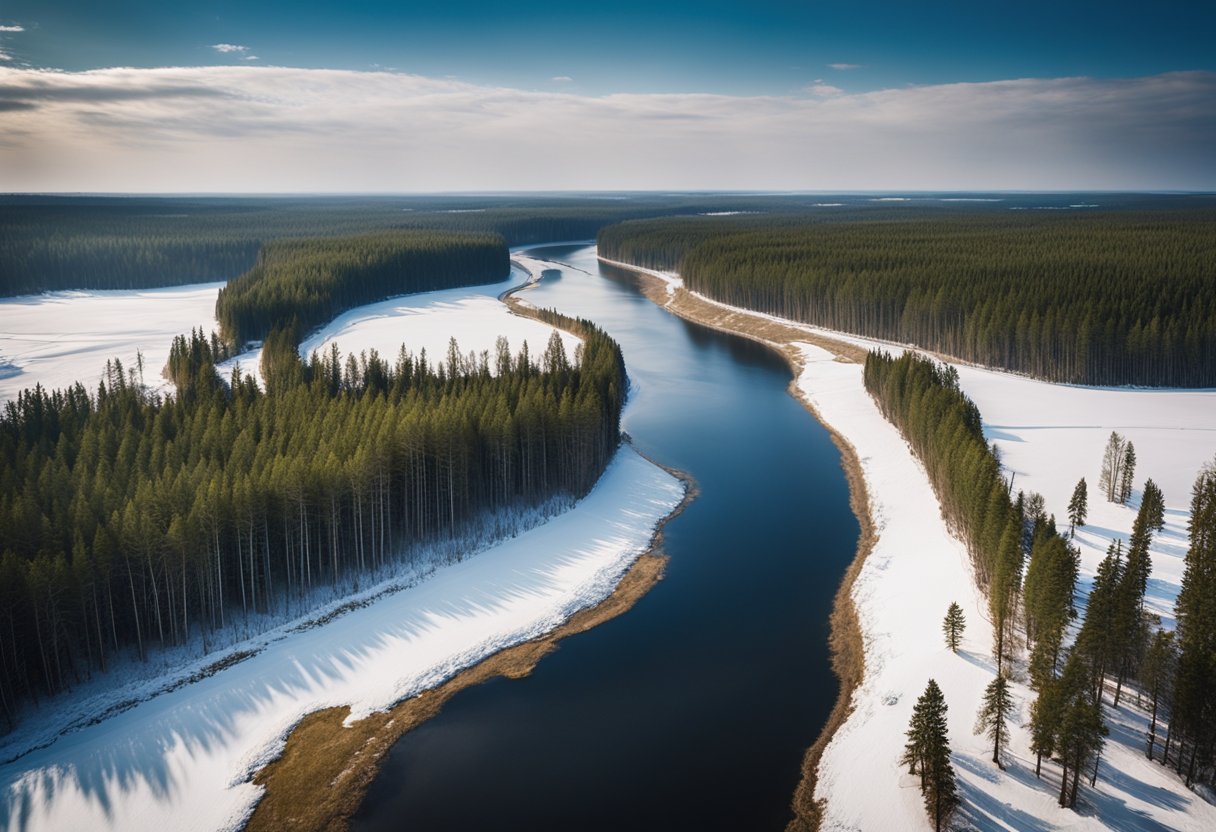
265 128
823 89
13 28
226 48
561 78
251 57
843 67
4 56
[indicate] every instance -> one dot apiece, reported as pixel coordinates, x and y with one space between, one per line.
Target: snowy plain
472 315
58 338
1049 435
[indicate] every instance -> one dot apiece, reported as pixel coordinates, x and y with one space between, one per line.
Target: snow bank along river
183 759
1050 435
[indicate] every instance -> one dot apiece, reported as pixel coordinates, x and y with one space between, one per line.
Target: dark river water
692 710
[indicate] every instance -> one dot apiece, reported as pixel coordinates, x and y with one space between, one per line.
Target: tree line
59 242
308 282
1028 572
1115 297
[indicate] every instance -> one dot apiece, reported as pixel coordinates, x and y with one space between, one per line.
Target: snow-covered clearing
59 338
472 315
182 759
1050 435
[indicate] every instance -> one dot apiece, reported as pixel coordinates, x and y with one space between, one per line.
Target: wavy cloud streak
246 128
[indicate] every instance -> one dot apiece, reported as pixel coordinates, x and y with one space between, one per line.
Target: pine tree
1154 504
953 626
1194 711
1127 473
993 715
1078 506
1157 674
928 753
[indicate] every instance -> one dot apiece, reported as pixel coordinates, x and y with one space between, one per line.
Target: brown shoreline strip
845 641
326 768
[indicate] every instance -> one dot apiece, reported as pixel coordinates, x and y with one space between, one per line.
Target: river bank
1048 436
846 641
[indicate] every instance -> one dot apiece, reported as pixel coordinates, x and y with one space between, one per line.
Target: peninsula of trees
1118 297
308 282
128 521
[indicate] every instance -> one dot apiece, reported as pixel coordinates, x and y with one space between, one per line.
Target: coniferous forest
309 282
1113 297
128 521
1028 572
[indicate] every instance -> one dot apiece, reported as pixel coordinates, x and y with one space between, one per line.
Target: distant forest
92 242
1110 297
128 521
312 281
49 243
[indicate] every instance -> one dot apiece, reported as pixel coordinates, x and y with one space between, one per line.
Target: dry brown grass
326 768
846 643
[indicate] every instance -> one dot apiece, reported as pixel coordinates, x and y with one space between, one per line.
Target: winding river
693 710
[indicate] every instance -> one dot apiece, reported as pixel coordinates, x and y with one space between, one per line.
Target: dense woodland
311 281
1028 571
128 521
1113 297
141 242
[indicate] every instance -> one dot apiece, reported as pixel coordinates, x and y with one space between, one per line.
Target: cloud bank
277 129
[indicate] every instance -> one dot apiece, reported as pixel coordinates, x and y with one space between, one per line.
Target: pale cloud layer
275 129
13 28
226 48
843 67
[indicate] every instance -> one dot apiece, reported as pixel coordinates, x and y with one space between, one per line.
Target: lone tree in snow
953 626
1127 473
1078 507
1112 466
928 753
994 713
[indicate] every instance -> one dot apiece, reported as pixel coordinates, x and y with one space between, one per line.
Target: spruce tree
1157 674
1154 505
928 753
953 626
1194 711
1078 507
994 713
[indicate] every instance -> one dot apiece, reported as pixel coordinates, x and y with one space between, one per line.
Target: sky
302 96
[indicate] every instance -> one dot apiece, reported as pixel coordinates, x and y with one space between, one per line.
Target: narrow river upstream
692 710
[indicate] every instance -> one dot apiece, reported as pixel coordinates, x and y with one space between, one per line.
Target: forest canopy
1109 297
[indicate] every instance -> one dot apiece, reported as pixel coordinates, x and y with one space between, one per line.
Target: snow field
59 338
182 760
472 315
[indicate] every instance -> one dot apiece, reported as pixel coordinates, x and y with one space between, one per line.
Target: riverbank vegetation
1112 297
308 282
1028 573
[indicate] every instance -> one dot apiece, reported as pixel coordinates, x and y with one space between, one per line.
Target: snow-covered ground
472 315
59 338
182 760
1050 435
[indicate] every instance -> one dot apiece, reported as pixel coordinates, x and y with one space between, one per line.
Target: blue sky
135 95
746 48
